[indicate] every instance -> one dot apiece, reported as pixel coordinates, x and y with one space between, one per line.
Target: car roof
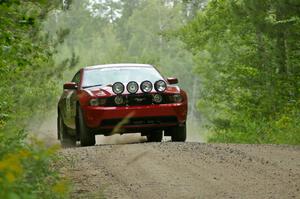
118 66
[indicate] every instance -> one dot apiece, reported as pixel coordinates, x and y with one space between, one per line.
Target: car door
70 103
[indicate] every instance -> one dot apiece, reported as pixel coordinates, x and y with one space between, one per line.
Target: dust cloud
195 131
44 128
120 139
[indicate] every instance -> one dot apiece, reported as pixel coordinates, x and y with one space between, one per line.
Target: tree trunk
281 53
260 49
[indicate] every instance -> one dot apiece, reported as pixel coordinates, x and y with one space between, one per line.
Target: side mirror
70 85
172 80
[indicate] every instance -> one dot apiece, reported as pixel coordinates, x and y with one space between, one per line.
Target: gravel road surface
182 170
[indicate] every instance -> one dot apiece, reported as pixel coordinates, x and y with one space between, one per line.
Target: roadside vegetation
248 59
27 87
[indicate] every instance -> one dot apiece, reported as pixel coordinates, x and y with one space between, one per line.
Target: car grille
136 100
140 121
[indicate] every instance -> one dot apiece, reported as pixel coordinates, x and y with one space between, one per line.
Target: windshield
106 76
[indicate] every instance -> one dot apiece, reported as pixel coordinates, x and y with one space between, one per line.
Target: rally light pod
118 88
160 86
132 87
146 86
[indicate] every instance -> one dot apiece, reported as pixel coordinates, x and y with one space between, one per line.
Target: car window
106 76
76 78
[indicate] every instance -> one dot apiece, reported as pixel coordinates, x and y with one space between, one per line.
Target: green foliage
25 171
248 59
25 60
28 87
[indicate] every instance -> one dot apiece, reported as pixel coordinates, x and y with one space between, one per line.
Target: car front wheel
66 140
178 133
86 137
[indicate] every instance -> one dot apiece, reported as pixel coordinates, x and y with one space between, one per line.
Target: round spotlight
160 86
118 88
132 87
177 98
157 98
119 100
146 86
94 102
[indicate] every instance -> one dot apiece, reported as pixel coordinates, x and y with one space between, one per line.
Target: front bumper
146 116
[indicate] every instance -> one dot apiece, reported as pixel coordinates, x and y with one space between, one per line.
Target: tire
178 134
155 136
85 136
66 140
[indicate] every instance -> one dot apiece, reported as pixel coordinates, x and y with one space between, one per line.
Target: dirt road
183 170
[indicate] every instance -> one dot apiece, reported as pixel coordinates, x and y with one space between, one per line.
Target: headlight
157 98
119 100
94 102
98 102
132 87
146 86
160 86
177 98
118 88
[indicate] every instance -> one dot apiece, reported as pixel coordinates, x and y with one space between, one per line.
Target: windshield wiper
92 86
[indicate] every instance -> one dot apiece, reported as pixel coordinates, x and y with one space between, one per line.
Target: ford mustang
121 98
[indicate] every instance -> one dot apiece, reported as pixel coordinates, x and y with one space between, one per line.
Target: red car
121 98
